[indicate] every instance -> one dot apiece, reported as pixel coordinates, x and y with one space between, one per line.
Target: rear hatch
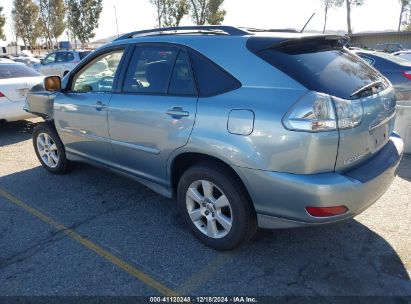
321 64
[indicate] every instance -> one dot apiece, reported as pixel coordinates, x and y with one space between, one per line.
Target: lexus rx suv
243 128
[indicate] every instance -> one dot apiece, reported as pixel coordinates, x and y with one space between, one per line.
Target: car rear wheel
49 149
216 207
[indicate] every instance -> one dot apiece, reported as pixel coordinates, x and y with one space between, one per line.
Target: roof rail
256 30
206 29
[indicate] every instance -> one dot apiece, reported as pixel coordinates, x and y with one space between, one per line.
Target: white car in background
16 79
403 54
59 63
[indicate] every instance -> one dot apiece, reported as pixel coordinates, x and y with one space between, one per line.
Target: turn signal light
326 211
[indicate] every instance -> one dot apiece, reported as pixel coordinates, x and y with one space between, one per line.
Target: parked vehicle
389 47
396 69
403 54
59 63
25 57
292 130
16 79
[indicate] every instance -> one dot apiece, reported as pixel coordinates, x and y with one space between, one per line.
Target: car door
153 112
63 63
47 64
80 111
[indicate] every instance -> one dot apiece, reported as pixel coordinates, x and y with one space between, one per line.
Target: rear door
153 112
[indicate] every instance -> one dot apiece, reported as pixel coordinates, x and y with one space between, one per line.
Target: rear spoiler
256 44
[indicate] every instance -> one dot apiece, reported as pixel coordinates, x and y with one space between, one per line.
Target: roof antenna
302 30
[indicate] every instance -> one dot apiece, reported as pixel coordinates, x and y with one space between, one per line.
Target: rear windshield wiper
367 87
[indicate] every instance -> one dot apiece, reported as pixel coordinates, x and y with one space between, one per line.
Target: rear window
394 59
212 80
8 71
322 67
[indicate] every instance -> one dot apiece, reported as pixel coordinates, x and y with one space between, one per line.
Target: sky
133 15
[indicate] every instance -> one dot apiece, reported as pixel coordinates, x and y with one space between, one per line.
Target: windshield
15 70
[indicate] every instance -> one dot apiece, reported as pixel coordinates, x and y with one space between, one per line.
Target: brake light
317 112
2 95
407 74
326 211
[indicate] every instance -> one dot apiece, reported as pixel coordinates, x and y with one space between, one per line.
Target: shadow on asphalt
340 259
14 132
404 169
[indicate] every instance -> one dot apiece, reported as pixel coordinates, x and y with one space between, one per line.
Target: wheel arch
181 162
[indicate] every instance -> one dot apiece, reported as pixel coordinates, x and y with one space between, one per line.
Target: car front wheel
216 207
49 149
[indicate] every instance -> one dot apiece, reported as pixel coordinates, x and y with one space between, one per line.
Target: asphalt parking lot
94 233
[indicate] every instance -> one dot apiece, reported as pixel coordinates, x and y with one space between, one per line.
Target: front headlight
317 112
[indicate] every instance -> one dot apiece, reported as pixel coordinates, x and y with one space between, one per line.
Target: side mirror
52 83
42 61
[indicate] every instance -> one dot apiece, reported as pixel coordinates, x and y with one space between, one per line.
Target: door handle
99 106
177 112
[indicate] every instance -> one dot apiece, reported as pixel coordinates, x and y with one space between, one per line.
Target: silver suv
59 63
243 128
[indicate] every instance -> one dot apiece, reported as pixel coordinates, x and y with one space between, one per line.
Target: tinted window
64 57
16 71
98 76
150 69
211 79
182 82
322 67
83 54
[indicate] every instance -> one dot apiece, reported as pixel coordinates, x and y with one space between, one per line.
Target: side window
182 81
212 80
50 58
150 69
98 75
64 57
368 60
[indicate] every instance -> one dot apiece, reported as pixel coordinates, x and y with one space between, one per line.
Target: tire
192 192
49 149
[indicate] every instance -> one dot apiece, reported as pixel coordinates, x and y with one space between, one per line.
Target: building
371 39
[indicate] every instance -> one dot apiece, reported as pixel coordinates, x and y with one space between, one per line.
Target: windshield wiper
374 84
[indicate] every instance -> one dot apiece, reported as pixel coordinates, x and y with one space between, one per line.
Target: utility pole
115 14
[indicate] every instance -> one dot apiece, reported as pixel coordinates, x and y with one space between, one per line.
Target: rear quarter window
212 80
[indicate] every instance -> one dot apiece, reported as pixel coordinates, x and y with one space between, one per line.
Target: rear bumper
12 111
280 199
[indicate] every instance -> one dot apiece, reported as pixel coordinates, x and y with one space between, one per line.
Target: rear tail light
326 211
407 74
317 112
2 95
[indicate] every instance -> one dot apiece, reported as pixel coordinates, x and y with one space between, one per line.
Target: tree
2 24
207 11
405 8
25 15
52 18
160 6
328 4
350 4
174 11
82 17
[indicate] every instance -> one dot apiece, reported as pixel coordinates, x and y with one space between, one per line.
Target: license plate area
379 136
